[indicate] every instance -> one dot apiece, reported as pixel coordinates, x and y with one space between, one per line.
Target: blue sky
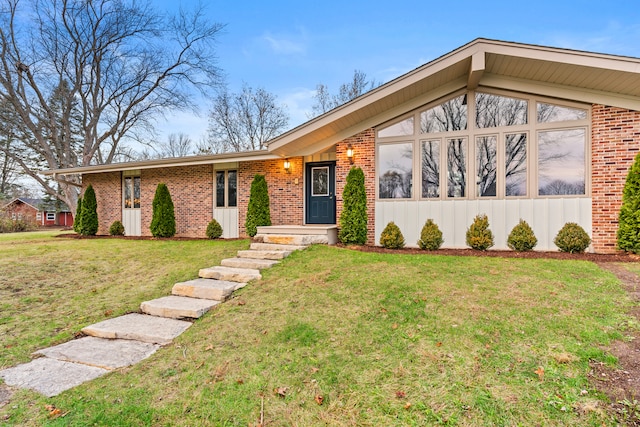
289 47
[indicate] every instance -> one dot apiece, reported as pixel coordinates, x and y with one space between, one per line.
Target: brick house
40 212
505 129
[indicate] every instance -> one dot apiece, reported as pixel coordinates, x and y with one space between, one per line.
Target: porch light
350 153
287 166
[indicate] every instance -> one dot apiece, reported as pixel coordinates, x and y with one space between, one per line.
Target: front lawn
330 337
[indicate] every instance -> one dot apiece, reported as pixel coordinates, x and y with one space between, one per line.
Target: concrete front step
293 239
256 246
240 275
217 290
175 307
255 254
298 234
257 264
140 327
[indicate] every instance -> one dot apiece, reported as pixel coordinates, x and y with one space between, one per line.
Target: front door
321 193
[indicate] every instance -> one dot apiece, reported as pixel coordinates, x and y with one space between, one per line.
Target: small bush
214 229
430 236
479 237
572 238
391 237
116 229
522 238
77 220
163 220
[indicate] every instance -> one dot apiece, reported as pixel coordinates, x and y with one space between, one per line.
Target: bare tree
123 64
244 121
358 85
176 145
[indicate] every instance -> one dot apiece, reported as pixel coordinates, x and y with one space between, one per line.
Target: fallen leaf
264 332
281 391
108 313
314 370
394 326
540 372
384 310
239 381
319 399
407 405
438 344
209 347
241 302
401 394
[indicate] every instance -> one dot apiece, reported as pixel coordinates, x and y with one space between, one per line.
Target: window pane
396 170
136 192
220 189
549 113
495 110
232 190
457 167
128 196
446 117
431 169
402 128
486 165
561 162
320 181
516 164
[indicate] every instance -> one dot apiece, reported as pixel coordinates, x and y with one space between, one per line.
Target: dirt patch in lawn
622 385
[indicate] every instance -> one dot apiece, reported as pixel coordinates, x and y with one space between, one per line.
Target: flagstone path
126 340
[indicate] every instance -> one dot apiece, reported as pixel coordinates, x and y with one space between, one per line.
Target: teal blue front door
320 191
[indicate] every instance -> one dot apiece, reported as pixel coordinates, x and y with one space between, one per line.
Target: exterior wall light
350 153
287 166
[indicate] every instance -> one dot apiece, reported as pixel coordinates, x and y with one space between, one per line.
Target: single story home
43 213
498 128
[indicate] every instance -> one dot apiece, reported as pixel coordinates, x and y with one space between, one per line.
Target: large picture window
486 145
226 189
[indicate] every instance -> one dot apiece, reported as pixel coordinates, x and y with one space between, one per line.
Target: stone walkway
125 340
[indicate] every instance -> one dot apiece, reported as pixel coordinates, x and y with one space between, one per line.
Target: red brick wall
615 140
191 189
286 197
364 148
108 188
22 212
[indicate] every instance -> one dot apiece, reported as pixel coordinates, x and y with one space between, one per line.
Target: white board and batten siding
545 216
132 221
228 219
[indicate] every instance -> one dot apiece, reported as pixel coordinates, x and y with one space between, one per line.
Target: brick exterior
108 189
364 147
286 197
191 190
615 140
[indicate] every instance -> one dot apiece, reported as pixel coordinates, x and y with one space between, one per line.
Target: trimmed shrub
391 237
430 236
479 237
89 214
522 238
163 221
116 229
77 219
572 238
353 218
629 218
214 229
258 212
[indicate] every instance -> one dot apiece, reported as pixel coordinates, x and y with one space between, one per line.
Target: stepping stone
241 275
176 307
140 327
218 290
254 254
100 353
248 263
50 376
275 247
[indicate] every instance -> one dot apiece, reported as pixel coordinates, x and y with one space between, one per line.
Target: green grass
406 340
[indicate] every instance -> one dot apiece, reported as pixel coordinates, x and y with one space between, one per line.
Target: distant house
43 213
509 130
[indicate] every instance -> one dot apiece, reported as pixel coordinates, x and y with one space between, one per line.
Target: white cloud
282 45
183 122
614 38
299 102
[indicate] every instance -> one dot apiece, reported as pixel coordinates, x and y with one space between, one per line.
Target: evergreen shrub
89 216
258 212
391 237
77 219
628 234
214 229
163 221
522 238
430 236
479 237
116 229
572 238
353 218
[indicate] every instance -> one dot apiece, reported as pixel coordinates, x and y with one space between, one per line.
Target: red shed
41 212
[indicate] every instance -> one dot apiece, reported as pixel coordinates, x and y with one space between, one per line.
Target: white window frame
51 216
225 205
531 130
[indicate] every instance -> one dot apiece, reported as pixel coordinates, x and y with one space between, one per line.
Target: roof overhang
166 163
560 73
